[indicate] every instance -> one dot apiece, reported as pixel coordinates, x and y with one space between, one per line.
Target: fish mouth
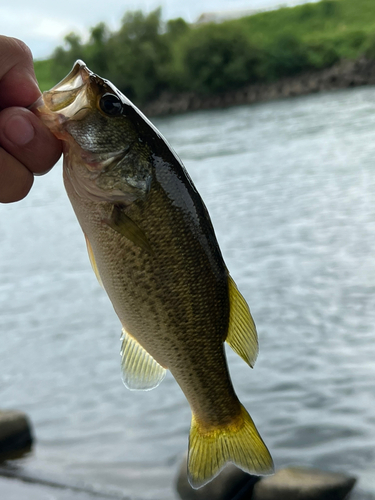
72 99
69 90
78 76
69 98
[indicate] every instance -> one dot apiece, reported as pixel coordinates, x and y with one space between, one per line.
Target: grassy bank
147 57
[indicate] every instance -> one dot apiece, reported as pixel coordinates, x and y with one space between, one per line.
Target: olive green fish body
153 248
150 294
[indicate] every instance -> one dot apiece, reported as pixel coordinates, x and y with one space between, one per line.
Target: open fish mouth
78 76
69 89
75 95
69 98
73 98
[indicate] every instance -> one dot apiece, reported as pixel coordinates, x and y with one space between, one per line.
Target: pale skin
27 147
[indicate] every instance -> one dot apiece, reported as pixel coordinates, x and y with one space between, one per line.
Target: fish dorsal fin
140 372
93 261
124 225
242 335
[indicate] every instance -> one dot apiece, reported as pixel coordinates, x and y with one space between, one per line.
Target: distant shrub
322 9
133 57
350 43
96 52
63 59
329 8
322 54
286 55
356 39
175 28
138 53
369 47
307 11
216 58
43 72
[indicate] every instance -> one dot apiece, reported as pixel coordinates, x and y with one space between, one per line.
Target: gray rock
15 432
297 483
229 484
292 483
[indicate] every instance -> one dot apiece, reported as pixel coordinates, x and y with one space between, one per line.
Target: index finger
18 84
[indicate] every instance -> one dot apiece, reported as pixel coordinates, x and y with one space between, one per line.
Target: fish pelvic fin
140 371
238 442
242 335
93 261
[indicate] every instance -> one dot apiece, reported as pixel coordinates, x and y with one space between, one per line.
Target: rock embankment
344 74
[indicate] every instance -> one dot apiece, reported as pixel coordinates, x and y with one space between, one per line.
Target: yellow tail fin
239 442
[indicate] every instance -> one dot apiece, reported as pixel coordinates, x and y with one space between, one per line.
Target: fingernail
19 130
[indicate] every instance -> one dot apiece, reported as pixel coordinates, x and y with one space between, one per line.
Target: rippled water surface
290 186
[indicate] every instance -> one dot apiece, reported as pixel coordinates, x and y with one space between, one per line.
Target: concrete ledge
15 432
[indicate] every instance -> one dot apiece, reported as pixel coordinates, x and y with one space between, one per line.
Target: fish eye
110 105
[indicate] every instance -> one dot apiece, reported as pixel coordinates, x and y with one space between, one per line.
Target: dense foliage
147 56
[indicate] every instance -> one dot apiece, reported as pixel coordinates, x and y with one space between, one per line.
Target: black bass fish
153 249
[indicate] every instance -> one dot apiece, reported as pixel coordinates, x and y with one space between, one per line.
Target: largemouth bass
153 249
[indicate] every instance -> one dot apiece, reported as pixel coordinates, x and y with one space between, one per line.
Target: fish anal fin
140 371
242 335
93 261
124 225
238 442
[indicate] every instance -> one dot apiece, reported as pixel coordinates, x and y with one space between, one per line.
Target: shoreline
344 74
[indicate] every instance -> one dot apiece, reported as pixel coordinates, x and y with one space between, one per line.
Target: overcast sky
42 24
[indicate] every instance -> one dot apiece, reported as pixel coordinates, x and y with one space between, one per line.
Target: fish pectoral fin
242 335
140 371
124 225
93 261
238 442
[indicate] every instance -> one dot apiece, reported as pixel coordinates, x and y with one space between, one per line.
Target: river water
290 186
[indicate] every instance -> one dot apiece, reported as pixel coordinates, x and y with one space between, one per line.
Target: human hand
27 147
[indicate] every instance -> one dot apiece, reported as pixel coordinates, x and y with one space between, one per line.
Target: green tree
63 59
137 54
176 28
286 55
216 58
96 53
